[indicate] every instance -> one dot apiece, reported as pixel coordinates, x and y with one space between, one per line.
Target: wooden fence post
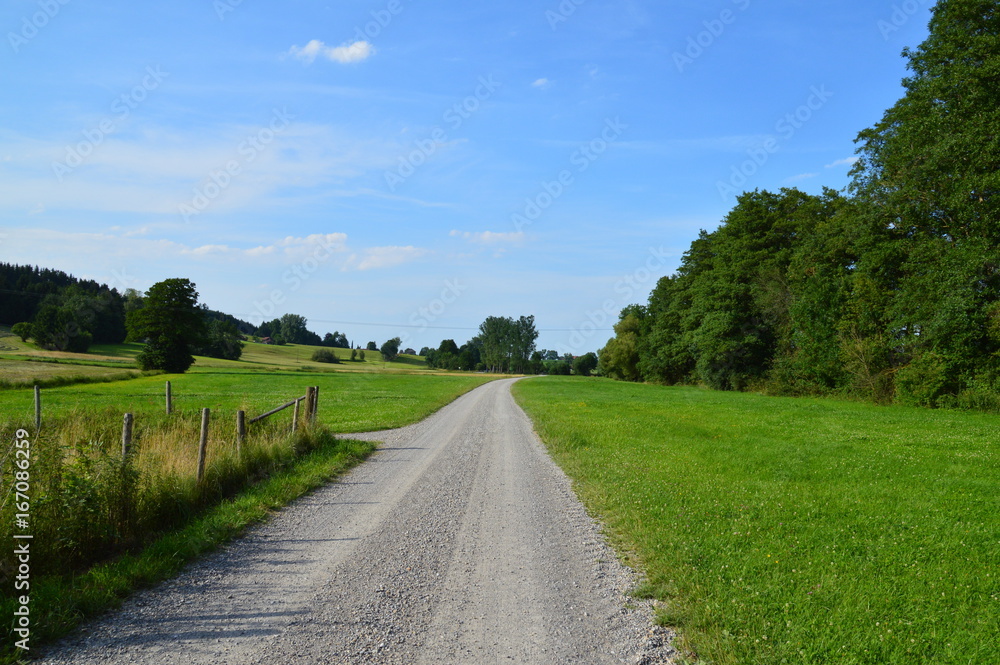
241 431
203 446
310 401
38 408
315 406
127 436
295 416
170 402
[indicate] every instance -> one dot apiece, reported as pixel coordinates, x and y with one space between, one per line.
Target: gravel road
460 541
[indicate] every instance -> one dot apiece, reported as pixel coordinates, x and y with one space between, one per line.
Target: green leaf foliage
890 291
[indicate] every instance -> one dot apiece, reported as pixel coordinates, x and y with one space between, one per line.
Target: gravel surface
460 541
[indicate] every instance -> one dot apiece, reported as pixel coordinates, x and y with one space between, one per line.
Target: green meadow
349 401
780 530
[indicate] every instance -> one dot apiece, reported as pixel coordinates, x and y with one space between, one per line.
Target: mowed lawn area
781 530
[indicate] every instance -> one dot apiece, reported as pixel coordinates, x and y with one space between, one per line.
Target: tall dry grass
89 503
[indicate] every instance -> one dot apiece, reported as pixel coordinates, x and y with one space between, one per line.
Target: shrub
22 330
924 381
559 368
325 356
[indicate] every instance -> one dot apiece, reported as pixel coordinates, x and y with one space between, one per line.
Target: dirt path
460 541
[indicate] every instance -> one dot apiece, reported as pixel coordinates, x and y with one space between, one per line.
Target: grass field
349 401
779 530
24 364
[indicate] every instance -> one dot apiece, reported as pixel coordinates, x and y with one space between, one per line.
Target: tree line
506 345
60 312
889 290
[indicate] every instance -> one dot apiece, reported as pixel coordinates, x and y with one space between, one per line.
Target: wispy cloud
541 83
488 237
345 54
153 171
383 257
849 161
289 248
801 176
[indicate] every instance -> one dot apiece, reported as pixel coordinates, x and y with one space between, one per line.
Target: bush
22 330
924 381
585 364
559 368
325 356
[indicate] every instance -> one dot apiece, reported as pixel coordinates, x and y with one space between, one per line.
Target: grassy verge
60 603
779 530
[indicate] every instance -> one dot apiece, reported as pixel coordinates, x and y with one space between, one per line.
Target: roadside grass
781 530
60 603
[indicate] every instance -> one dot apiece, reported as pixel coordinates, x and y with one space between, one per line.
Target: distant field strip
349 402
782 530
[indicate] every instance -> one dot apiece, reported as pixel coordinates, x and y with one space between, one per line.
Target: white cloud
849 161
154 171
489 237
801 176
384 257
541 83
345 54
290 248
207 250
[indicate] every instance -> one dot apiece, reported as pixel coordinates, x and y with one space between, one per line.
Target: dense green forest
889 290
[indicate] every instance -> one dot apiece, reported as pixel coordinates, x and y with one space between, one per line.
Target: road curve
460 541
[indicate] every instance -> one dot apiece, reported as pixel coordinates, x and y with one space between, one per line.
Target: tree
293 328
133 300
354 355
448 346
525 335
56 328
361 355
506 345
337 340
222 340
585 364
171 323
22 330
927 186
559 368
620 356
390 350
372 346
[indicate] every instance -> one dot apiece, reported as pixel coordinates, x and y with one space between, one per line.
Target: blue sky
422 165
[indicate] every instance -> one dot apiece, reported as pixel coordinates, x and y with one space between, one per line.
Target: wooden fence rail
311 400
273 411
